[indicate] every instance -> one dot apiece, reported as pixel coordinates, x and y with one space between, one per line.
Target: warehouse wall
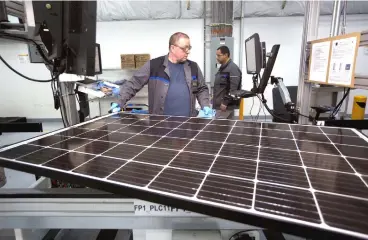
19 97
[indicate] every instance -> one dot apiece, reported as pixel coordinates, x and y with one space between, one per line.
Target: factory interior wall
287 31
20 97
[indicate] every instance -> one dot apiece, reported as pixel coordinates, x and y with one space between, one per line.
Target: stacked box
141 59
127 61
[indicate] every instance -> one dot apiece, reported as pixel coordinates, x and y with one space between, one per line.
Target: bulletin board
332 60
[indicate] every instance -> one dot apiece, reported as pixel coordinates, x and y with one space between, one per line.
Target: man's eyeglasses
185 49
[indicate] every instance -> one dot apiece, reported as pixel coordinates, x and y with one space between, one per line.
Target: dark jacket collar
223 66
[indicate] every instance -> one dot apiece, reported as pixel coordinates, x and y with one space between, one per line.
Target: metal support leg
69 103
310 32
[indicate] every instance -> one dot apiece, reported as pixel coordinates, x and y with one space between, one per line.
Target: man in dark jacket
228 79
174 82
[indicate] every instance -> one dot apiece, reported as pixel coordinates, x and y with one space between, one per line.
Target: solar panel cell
100 167
93 134
345 213
171 143
276 126
156 156
177 119
217 128
179 133
42 156
223 122
145 122
165 124
144 140
157 131
310 137
134 173
47 141
69 161
198 120
248 124
19 151
339 131
133 129
360 165
317 147
301 128
93 125
71 143
278 143
192 126
242 168
243 139
211 136
340 139
282 174
280 156
203 147
276 133
96 147
229 191
248 131
352 151
116 137
178 181
193 161
240 151
73 132
327 162
286 201
111 127
124 151
335 182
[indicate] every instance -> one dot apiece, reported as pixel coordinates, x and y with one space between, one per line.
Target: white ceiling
175 9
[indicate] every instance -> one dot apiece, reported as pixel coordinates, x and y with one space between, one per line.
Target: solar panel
306 180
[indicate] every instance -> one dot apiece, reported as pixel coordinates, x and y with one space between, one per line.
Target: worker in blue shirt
174 83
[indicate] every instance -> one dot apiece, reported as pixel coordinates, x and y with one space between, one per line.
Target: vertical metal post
68 95
3 12
310 32
335 22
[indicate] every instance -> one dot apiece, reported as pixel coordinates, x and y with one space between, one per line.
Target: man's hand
223 107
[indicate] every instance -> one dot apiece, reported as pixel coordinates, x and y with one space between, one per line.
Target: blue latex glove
207 110
114 108
210 113
115 91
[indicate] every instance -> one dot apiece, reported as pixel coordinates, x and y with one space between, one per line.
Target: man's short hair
224 50
175 38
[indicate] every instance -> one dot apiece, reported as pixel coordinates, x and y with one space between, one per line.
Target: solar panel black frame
252 217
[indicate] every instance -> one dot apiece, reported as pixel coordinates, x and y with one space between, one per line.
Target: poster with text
319 61
342 61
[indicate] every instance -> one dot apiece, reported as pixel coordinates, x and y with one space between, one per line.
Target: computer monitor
98 63
253 54
268 69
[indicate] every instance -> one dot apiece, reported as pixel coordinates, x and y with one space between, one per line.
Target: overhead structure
306 180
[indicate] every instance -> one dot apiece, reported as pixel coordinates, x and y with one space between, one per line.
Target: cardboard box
139 64
127 61
142 57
